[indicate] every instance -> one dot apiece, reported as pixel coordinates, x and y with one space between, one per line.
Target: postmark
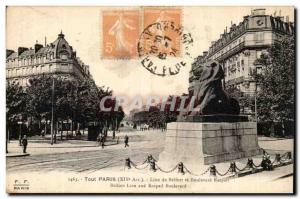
163 48
154 15
121 29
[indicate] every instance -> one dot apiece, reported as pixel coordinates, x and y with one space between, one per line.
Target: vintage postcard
150 99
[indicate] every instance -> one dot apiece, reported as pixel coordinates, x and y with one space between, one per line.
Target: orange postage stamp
171 40
121 30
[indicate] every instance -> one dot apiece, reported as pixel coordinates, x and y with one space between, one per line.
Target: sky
82 27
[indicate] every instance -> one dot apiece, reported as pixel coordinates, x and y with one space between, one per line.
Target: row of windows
229 47
28 70
234 69
258 38
28 61
34 60
235 66
21 82
24 81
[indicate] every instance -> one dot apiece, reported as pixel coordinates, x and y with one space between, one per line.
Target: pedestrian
98 140
126 139
102 140
24 143
105 129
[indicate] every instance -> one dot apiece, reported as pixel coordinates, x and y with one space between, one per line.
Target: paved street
85 156
89 158
70 160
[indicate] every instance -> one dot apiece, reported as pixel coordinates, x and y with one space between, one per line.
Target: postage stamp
120 32
164 44
169 41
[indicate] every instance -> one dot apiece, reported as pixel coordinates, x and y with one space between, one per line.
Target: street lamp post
7 140
20 133
52 111
255 106
7 136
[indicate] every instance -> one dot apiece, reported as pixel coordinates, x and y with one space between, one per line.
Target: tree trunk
61 130
72 128
114 128
272 133
83 126
55 132
67 133
283 129
45 130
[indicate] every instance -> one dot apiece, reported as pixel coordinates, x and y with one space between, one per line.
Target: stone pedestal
199 143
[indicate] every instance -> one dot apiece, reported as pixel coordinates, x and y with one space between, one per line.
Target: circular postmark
164 47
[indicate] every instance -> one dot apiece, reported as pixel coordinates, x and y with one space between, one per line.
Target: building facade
57 58
238 48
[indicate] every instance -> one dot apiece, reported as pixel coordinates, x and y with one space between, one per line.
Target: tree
246 100
16 106
276 83
73 100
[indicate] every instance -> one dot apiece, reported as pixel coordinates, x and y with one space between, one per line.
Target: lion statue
210 98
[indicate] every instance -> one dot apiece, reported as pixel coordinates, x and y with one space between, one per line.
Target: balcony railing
232 51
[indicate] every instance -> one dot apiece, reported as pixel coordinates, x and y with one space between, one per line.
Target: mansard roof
60 45
27 53
13 55
45 50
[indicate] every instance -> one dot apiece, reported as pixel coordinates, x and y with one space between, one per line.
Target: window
258 70
24 82
258 54
63 56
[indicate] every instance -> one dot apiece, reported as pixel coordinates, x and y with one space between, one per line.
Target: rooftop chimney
260 11
21 50
9 52
37 47
204 53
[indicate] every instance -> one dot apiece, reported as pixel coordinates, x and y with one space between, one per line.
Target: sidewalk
17 154
36 147
138 138
274 145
